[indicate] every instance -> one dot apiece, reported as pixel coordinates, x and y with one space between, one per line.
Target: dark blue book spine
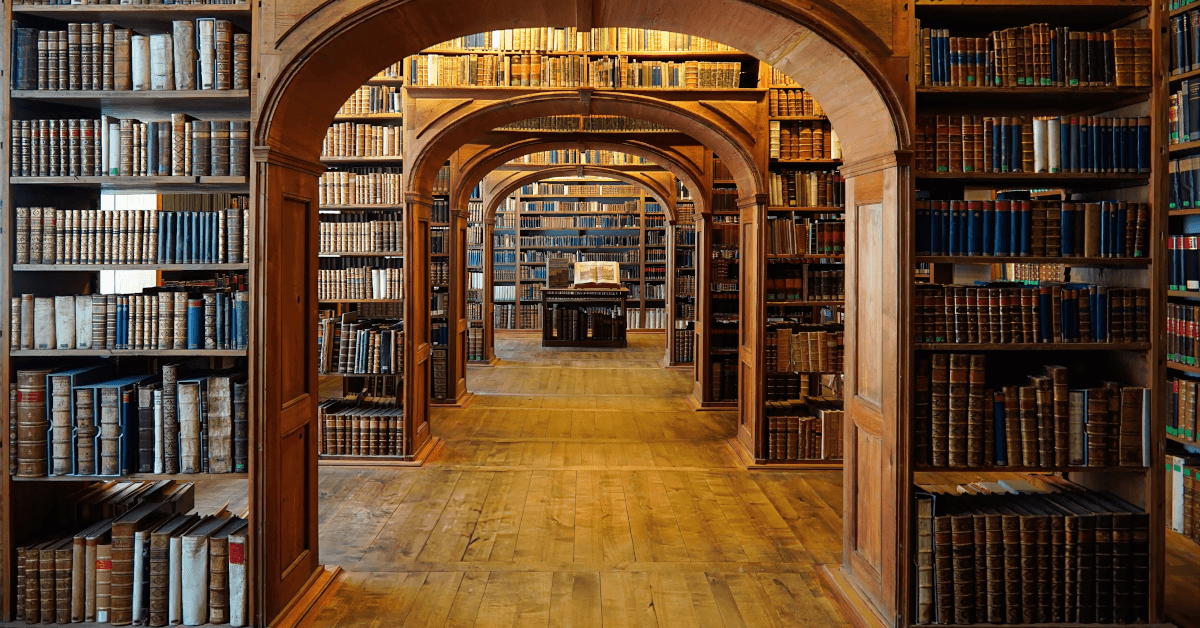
988 223
1026 230
1045 302
1003 230
935 229
1106 144
975 230
214 238
1067 237
1074 145
1001 439
119 341
195 324
1085 154
997 142
219 321
1104 226
964 217
1143 146
177 236
946 217
954 227
1005 131
1064 143
242 320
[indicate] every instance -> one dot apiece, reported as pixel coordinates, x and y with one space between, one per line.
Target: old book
104 565
241 427
124 528
219 598
83 321
43 323
110 430
32 425
189 426
64 322
223 55
99 535
925 573
220 424
201 148
146 425
86 430
139 52
959 384
170 412
61 428
939 383
26 317
162 62
195 562
206 48
239 556
219 138
184 51
1130 427
180 155
78 572
241 61
976 425
160 573
239 164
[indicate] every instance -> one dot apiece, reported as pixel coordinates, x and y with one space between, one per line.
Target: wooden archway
311 54
678 161
495 191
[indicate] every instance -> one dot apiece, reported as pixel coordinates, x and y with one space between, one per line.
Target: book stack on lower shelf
134 552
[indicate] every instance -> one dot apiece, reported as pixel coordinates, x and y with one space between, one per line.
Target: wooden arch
475 168
311 54
437 135
498 190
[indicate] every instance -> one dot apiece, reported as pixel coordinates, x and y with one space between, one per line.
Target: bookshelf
360 283
1015 363
682 288
136 361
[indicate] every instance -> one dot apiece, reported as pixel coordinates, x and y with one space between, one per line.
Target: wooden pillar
283 376
700 359
489 332
751 319
456 312
418 352
878 355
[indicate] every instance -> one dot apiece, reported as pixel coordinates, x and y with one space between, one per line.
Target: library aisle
539 509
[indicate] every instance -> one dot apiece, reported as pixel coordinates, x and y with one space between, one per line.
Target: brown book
1097 427
976 424
160 543
63 557
218 571
962 538
1044 395
1130 428
32 425
943 561
143 516
1027 408
922 407
939 383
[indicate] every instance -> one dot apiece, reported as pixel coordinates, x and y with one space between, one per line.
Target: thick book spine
189 427
241 427
170 412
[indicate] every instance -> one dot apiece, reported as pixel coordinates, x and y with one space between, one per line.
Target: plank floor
578 489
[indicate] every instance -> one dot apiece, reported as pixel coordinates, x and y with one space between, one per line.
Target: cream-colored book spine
43 323
64 321
83 321
189 427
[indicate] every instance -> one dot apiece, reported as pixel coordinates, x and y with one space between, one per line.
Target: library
600 313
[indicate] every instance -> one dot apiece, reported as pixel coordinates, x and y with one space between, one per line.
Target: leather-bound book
994 584
1097 428
160 545
923 408
1028 416
189 426
110 431
201 148
33 583
194 574
219 153
1029 553
1061 394
239 554
223 55
78 575
63 551
943 561
1130 427
962 538
976 423
32 426
1010 533
140 517
925 573
170 412
218 570
979 558
48 585
939 383
1044 394
19 553
960 374
145 426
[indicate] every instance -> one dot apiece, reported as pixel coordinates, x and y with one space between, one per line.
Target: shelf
634 195
63 353
1033 346
571 213
138 16
1175 78
1183 147
580 229
359 206
1182 441
1184 9
783 208
1105 180
808 118
1016 469
1069 261
191 100
1191 211
806 303
1018 100
784 257
1176 366
180 184
355 159
66 268
181 477
353 254
382 117
639 54
974 15
806 162
360 300
1184 294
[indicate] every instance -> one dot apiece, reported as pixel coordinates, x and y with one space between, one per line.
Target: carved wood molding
286 159
506 182
875 163
423 118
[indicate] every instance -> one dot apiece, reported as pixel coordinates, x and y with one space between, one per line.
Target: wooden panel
866 542
295 335
292 499
868 235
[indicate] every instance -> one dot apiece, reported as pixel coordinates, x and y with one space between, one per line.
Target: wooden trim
875 163
316 593
850 601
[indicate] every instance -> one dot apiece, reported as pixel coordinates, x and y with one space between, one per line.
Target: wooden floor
578 489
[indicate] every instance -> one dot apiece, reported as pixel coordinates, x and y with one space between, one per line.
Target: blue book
195 323
1014 151
997 142
1105 143
1104 226
241 319
214 238
1143 145
1003 147
1096 148
219 327
1003 228
936 247
999 427
1085 146
955 225
988 228
1066 238
178 236
974 228
1122 217
964 217
1026 229
1064 143
121 324
1073 145
1045 303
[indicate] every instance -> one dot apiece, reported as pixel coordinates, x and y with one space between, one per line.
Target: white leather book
64 321
206 45
1054 146
184 50
189 427
220 425
43 323
1040 145
83 321
140 52
162 62
239 556
140 538
194 570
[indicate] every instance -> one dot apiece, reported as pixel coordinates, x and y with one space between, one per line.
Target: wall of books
360 286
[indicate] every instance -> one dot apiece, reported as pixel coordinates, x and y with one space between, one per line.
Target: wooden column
416 322
457 310
878 355
283 372
700 361
752 271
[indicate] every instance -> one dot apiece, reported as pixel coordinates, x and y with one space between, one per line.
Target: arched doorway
331 50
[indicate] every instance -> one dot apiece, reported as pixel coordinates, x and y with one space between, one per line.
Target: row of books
159 318
685 285
351 429
1183 334
802 348
1039 144
506 316
373 99
789 385
1182 408
627 257
656 291
804 282
1183 269
1016 552
1034 421
1183 183
579 207
1033 228
587 123
535 70
649 318
205 54
572 322
349 345
792 102
1183 495
127 147
361 186
806 188
723 379
1009 312
543 188
358 139
1185 42
46 235
804 430
152 565
531 292
576 156
357 233
803 139
805 235
608 39
1183 113
1036 55
360 283
439 273
88 421
683 350
587 241
475 349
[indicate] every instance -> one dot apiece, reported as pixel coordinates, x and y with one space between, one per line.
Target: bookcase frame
19 495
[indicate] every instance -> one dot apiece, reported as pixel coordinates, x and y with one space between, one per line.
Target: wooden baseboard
748 462
417 460
710 406
850 601
310 600
461 402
